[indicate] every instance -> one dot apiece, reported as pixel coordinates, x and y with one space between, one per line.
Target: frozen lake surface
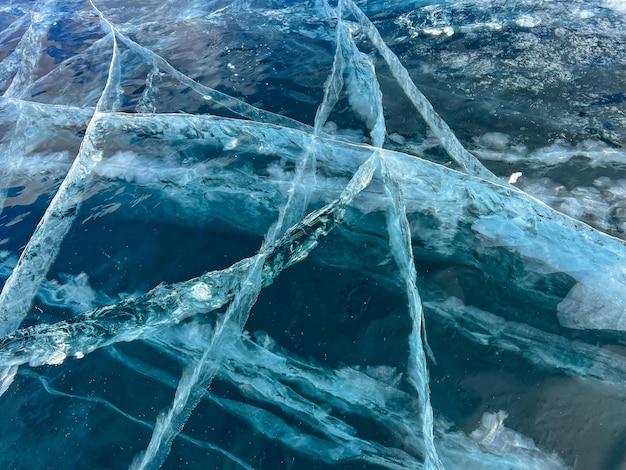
310 235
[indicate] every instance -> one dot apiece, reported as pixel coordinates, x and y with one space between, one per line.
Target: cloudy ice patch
616 5
446 31
514 177
494 140
601 204
528 21
72 292
497 146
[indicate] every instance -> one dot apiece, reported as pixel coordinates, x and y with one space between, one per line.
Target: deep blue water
237 235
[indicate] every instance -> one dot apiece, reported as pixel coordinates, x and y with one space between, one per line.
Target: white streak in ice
402 251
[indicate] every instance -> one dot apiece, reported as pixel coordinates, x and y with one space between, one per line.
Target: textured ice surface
312 234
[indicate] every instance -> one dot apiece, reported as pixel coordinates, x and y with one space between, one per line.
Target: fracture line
44 245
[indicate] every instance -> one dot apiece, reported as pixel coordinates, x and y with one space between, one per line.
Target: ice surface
239 235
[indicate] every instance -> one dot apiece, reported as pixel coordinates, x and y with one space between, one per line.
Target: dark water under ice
246 240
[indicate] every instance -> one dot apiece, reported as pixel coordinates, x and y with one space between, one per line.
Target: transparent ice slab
243 235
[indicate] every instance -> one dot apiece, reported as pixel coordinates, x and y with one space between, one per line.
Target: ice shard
330 234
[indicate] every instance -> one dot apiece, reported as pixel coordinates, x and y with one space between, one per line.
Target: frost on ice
277 278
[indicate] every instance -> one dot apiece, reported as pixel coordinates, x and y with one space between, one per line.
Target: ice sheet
139 141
